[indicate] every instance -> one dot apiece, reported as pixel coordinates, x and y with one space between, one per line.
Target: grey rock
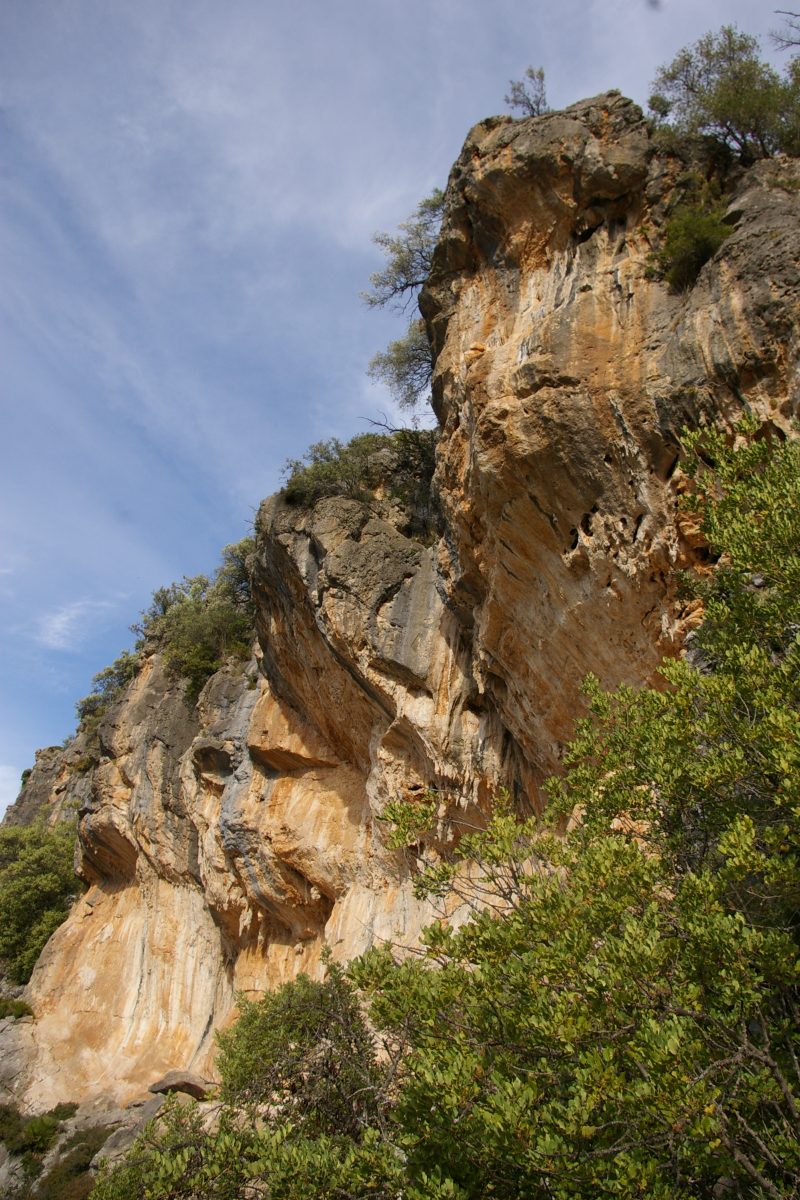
183 1081
35 792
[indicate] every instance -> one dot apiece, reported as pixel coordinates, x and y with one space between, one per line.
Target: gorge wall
226 845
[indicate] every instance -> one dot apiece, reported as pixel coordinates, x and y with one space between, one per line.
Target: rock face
225 846
564 376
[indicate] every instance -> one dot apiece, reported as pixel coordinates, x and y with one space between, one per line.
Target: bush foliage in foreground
37 888
314 1035
618 1014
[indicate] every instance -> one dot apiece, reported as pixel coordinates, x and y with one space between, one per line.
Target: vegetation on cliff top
397 465
718 103
720 88
618 1012
528 94
196 624
200 622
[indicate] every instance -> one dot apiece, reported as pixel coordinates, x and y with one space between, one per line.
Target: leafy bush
11 1122
64 1110
35 1135
200 631
176 1160
37 888
405 366
721 88
14 1008
693 234
401 463
200 622
29 1139
109 685
335 468
306 1053
409 254
197 624
303 1094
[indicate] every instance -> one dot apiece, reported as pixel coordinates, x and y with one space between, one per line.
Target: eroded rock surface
565 373
226 845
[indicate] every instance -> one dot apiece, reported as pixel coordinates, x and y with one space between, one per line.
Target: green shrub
400 463
196 623
306 1052
64 1110
720 88
35 1136
410 483
302 1096
200 622
614 1013
405 366
333 468
242 1160
37 888
11 1122
14 1008
409 256
200 632
29 1139
693 234
108 684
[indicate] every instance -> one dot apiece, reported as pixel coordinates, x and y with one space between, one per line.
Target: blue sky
187 199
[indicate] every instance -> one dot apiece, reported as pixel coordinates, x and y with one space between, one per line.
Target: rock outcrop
226 845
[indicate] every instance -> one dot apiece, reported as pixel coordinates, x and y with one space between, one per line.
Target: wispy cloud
66 628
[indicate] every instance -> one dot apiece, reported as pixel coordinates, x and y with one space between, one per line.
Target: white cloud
66 628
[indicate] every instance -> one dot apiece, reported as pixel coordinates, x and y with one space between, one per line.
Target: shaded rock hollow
226 846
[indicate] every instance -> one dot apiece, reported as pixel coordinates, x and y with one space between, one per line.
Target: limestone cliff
226 845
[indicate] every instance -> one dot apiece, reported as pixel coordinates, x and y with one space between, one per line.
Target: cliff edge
227 844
